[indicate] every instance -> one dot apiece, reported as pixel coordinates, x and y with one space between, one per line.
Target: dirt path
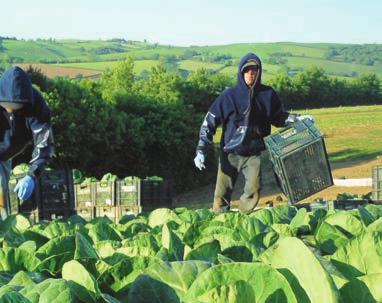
203 197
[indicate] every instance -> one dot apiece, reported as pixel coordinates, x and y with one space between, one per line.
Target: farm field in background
100 54
332 67
139 66
53 70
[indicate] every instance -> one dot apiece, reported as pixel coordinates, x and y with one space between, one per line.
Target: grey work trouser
229 167
5 171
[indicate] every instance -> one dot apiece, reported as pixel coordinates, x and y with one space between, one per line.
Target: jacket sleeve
210 123
42 137
278 114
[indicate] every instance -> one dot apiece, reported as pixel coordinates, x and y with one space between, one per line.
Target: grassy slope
333 67
264 49
303 55
34 51
139 66
351 133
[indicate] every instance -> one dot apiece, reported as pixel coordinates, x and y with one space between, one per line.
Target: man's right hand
199 160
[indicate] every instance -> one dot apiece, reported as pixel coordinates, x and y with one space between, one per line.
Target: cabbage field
280 254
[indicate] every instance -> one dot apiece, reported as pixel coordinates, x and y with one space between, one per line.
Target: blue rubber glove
199 160
24 188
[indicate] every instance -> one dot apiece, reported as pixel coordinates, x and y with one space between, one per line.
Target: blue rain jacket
245 113
28 125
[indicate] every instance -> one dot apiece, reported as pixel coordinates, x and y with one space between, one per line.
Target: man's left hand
303 117
24 188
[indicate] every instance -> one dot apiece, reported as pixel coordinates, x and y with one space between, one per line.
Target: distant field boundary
51 70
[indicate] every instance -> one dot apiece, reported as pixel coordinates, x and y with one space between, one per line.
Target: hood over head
16 87
249 59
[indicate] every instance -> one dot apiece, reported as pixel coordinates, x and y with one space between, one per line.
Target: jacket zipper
12 120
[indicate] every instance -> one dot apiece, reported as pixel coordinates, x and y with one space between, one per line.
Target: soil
203 197
51 70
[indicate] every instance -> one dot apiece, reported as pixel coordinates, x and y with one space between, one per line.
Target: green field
139 66
33 51
333 67
264 49
192 65
351 133
100 54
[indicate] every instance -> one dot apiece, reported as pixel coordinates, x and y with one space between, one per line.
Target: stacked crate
56 194
376 194
128 196
84 200
135 195
104 199
299 160
114 199
53 196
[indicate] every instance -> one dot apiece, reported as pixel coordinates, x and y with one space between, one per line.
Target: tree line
367 54
131 126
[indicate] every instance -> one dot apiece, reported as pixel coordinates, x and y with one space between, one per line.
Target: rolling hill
86 57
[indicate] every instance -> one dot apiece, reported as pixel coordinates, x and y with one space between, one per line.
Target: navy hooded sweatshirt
246 115
28 125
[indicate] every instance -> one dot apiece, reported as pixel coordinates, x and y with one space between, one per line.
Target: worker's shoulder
265 88
229 90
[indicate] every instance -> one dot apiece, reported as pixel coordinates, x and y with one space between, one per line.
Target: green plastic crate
128 192
110 212
299 159
376 194
84 195
104 193
86 213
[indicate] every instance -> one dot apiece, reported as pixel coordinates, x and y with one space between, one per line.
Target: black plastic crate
38 215
155 194
376 194
86 213
300 161
349 204
84 195
104 193
56 189
165 194
151 193
53 214
143 194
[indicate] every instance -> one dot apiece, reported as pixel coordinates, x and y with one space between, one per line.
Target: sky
184 23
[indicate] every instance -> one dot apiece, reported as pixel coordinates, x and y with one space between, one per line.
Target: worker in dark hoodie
246 113
24 120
